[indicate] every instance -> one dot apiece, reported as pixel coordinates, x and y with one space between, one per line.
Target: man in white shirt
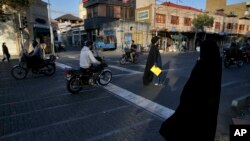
86 57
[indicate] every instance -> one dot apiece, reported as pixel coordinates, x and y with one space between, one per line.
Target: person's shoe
156 84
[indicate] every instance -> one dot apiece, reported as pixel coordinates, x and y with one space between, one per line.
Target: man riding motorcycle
234 52
36 57
87 58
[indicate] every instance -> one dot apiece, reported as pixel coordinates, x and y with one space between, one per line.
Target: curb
241 102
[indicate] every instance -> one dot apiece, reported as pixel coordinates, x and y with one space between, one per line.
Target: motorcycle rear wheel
50 70
104 78
19 72
74 85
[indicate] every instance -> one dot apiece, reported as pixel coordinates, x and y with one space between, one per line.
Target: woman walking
6 54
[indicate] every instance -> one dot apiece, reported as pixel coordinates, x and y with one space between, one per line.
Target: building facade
71 30
36 27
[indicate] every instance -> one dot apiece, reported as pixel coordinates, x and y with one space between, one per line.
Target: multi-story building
70 30
37 27
114 21
238 9
100 12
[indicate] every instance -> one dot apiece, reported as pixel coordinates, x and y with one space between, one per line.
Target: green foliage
15 4
202 20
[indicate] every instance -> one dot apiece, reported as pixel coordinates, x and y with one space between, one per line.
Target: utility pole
21 30
51 30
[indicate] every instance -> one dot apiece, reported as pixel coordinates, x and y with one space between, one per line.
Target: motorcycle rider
133 49
87 58
36 57
234 51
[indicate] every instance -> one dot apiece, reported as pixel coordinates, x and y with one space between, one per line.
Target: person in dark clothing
6 54
234 52
133 49
154 58
195 118
36 57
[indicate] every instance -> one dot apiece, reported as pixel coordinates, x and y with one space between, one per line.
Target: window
124 13
110 11
95 11
229 25
89 13
175 20
242 26
92 12
160 18
187 21
217 25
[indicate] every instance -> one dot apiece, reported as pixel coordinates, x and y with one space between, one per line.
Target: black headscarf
151 60
195 118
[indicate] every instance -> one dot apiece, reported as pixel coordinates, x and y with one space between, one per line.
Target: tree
8 6
16 4
200 22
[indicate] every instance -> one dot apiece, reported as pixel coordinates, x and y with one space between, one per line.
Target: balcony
110 2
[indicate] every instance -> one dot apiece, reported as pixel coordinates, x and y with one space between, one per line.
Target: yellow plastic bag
156 70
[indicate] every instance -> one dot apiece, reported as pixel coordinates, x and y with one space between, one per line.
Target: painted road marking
124 69
229 83
142 102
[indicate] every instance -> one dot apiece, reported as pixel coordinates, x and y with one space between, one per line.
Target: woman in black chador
153 58
6 53
195 119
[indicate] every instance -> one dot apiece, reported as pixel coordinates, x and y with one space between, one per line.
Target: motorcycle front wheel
50 70
104 78
19 72
123 61
74 85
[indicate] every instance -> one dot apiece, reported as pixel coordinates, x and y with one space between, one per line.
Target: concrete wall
82 11
9 35
237 9
213 5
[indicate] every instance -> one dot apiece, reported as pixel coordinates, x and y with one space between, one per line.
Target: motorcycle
46 67
228 61
76 79
126 57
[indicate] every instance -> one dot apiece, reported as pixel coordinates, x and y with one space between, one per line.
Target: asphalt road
177 66
40 108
